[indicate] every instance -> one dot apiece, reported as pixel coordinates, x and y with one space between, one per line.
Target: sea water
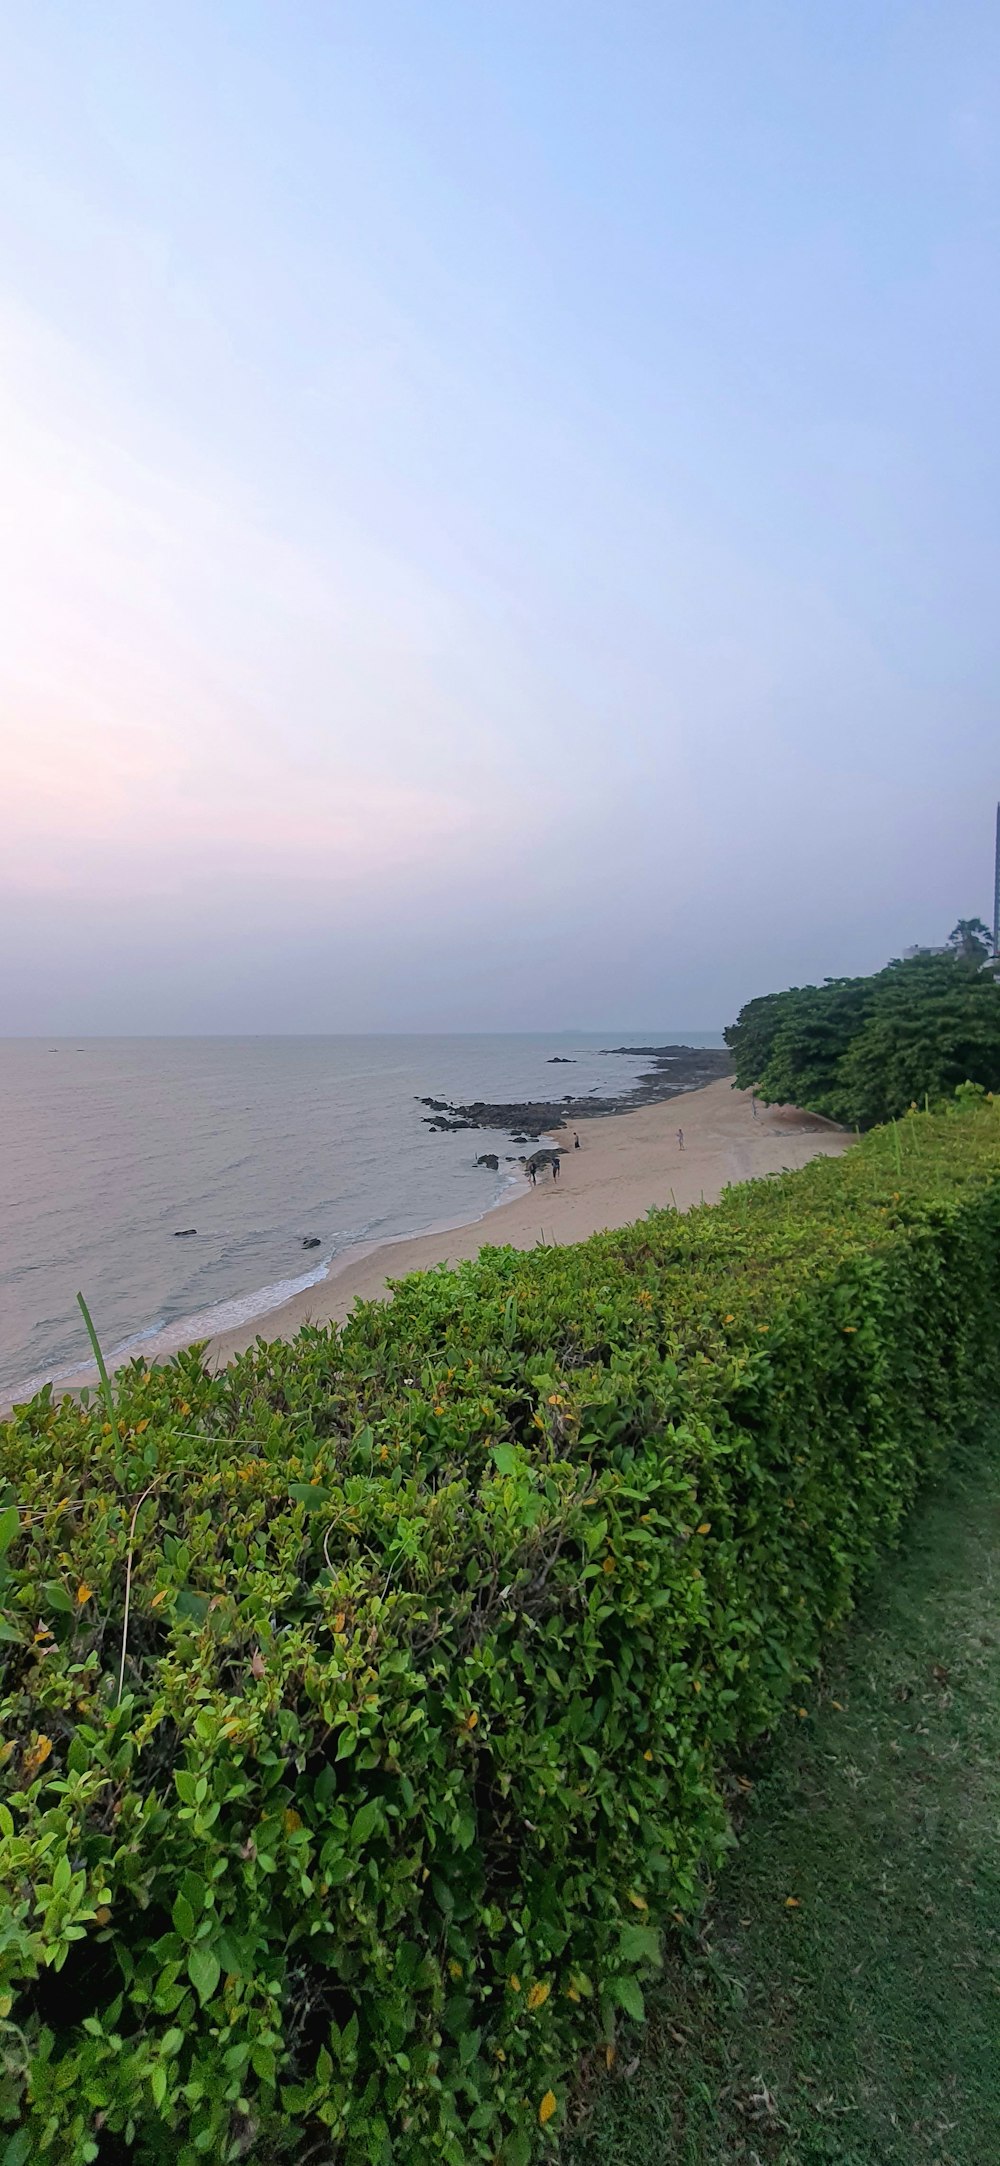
112 1147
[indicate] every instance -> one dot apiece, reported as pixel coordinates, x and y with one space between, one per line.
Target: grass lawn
860 2022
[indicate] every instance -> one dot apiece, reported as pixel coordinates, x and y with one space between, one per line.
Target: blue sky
501 520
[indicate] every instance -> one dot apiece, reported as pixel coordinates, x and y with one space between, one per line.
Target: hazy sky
500 507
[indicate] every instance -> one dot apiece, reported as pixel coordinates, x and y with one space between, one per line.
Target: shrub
367 1705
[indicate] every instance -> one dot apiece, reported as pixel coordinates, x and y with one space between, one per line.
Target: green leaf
19 2148
56 1597
158 2082
640 1944
628 1994
8 1632
311 1495
183 1917
204 1972
505 1459
365 1820
10 1521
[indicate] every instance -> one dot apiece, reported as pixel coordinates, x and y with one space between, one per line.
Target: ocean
110 1147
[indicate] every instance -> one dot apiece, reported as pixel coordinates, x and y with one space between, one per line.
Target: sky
500 523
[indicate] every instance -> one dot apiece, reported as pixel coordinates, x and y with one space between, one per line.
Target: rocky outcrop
675 1068
490 1159
311 1240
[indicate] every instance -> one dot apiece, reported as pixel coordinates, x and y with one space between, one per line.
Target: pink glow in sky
499 514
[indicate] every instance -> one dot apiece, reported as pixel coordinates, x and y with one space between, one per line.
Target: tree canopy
861 1050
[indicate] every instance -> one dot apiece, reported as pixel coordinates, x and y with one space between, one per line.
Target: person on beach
533 1176
576 1141
555 1169
680 1139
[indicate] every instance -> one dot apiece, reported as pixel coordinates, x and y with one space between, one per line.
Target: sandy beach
626 1163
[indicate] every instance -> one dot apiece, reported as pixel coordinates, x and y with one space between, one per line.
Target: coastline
627 1163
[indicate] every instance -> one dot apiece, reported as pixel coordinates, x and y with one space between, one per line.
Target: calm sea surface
109 1146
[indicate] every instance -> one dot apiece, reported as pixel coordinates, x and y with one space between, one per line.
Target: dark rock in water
184 1232
490 1159
311 1240
442 1127
560 1060
673 1069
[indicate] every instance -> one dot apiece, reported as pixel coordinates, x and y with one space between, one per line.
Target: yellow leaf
548 2107
729 1319
339 1621
292 1820
609 2056
514 1982
792 1902
159 1596
608 1565
183 1407
639 1901
102 1916
539 1994
83 1593
37 1754
706 1527
647 1756
141 1426
802 1713
572 1994
696 1681
472 1718
837 1705
454 1970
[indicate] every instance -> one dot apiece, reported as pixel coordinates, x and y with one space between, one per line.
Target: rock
311 1240
674 1068
560 1060
184 1233
490 1159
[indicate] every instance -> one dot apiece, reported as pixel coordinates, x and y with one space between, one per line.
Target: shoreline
628 1163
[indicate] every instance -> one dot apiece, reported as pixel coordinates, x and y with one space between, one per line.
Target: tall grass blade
109 1399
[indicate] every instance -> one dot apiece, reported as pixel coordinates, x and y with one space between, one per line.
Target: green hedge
442 1629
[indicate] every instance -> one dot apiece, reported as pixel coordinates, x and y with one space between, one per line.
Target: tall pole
996 891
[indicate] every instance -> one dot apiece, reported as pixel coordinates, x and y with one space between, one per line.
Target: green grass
863 2025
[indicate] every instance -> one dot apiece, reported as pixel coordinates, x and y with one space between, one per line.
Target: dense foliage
862 1050
367 1706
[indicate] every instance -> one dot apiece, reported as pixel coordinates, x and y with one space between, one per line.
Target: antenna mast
996 891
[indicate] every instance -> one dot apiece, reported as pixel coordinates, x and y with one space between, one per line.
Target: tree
972 940
861 1050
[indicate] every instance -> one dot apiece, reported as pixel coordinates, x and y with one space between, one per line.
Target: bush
862 1050
367 1706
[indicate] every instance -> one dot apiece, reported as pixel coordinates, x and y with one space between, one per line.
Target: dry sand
626 1163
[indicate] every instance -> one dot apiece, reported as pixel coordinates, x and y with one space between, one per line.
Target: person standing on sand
576 1141
680 1139
533 1175
555 1169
